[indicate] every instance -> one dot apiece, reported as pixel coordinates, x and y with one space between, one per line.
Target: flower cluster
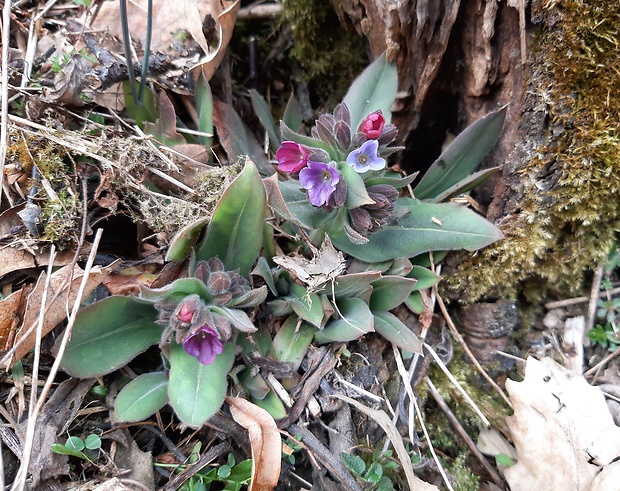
203 323
319 162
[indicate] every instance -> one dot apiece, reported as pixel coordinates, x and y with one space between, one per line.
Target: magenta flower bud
320 181
184 314
292 157
204 344
373 125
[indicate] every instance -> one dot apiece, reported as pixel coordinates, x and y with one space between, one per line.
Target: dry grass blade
4 96
404 375
22 473
265 440
383 420
459 338
458 387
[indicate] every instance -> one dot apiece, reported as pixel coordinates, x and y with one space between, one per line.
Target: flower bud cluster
367 219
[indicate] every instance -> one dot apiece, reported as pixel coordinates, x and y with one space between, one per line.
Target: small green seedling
77 447
372 474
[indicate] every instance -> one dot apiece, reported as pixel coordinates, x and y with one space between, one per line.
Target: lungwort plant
334 239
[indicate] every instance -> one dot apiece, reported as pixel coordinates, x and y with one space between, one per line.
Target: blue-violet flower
320 180
373 125
292 157
366 157
204 344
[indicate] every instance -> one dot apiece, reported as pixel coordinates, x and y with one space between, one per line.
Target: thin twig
577 300
459 338
461 431
4 123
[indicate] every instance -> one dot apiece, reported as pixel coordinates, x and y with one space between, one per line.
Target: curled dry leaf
265 440
562 429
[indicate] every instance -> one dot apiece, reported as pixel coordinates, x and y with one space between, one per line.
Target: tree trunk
556 198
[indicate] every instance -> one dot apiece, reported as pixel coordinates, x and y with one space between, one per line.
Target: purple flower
320 180
292 157
366 157
373 125
204 344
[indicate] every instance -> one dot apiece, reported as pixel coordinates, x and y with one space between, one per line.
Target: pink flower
185 314
204 344
373 125
292 157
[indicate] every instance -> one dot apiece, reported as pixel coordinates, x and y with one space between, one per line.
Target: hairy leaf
141 398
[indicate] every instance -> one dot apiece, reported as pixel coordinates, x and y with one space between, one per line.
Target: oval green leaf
390 291
290 344
392 329
185 239
356 189
141 398
235 233
109 334
375 89
356 320
426 227
197 391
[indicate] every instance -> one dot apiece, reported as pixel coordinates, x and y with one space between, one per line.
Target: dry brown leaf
561 428
324 267
388 426
13 259
11 312
172 17
265 440
64 286
129 280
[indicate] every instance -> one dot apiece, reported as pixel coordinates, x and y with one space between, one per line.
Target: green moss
331 55
570 212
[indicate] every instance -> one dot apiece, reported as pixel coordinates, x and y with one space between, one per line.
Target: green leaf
146 111
204 107
390 291
141 398
300 208
467 184
290 344
180 288
197 391
462 155
351 285
164 129
264 115
235 233
414 303
307 307
185 239
504 460
237 139
375 89
75 443
356 320
356 189
392 329
292 114
426 227
60 449
92 442
236 317
255 385
426 278
354 463
263 270
290 135
393 179
272 404
109 334
374 473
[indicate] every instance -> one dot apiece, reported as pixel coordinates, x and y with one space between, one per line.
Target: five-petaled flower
373 125
292 157
320 181
204 344
366 158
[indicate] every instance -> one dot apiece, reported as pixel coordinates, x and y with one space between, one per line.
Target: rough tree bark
460 59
